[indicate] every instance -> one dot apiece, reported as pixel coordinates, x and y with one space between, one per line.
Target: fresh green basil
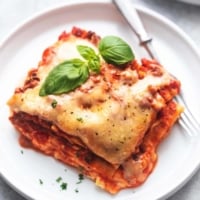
86 52
94 64
89 54
65 77
114 50
70 74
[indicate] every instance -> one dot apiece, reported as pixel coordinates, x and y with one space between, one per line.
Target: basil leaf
86 52
89 54
65 77
115 51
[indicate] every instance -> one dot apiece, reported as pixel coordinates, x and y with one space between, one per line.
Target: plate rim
142 9
193 2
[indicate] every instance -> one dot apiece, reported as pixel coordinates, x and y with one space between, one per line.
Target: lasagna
109 126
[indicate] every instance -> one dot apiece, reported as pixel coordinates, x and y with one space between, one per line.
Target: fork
187 120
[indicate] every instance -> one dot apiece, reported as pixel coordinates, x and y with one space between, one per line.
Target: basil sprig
92 58
71 74
114 50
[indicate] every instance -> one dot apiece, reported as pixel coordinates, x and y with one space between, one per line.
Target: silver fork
126 8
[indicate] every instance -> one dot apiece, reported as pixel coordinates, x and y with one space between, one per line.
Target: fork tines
187 119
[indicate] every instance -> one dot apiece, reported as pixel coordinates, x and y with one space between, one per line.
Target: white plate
195 2
23 168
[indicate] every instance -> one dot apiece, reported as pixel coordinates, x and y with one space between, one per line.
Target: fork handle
130 14
127 9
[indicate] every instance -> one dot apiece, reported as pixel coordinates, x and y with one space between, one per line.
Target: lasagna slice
109 126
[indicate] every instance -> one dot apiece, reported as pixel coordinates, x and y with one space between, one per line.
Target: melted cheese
111 122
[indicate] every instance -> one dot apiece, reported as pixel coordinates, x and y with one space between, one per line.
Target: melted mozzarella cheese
65 51
68 50
110 123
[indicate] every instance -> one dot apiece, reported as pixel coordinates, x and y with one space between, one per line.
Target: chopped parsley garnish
76 190
22 152
80 177
40 181
54 103
63 186
59 179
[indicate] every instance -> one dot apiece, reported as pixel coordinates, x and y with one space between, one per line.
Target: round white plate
24 169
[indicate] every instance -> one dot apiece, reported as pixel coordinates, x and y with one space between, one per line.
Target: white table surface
186 16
